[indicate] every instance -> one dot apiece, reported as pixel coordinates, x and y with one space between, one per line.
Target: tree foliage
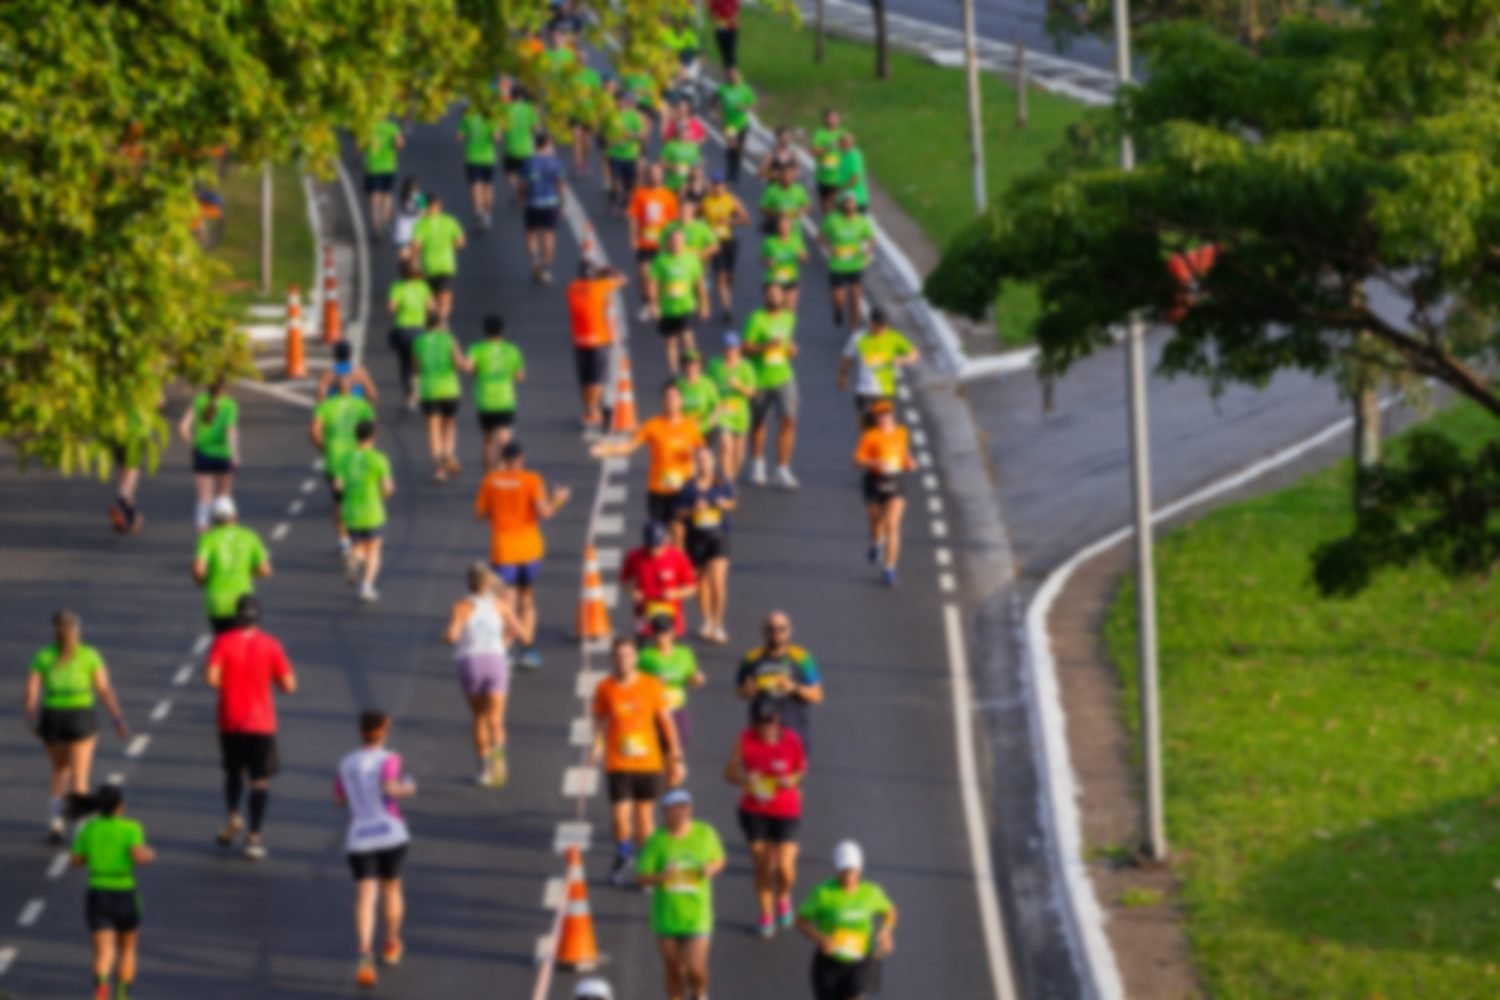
111 109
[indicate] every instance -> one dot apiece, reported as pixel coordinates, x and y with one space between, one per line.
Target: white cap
223 509
593 988
848 855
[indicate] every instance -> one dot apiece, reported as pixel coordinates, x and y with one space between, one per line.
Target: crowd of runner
685 220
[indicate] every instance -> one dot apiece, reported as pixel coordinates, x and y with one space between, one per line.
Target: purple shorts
684 725
484 673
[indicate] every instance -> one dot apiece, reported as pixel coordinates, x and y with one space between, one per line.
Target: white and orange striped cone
577 948
623 418
296 352
332 320
593 615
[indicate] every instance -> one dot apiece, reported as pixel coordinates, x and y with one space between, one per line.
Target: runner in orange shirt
515 502
588 310
636 739
884 454
652 206
673 437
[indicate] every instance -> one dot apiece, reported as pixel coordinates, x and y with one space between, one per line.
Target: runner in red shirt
660 576
243 664
768 763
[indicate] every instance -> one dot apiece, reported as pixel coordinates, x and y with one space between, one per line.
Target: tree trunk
820 29
1021 112
1366 398
882 42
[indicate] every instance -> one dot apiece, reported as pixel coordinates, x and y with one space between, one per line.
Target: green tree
1349 176
111 109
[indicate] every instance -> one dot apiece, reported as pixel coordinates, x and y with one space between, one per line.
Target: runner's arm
810 930
106 693
547 507
316 433
387 487
185 425
734 767
234 445
363 376
456 619
33 698
263 568
142 854
513 621
200 572
285 676
885 941
461 362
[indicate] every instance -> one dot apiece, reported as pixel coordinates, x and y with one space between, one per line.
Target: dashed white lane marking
573 833
308 485
116 778
317 465
294 508
613 493
58 866
609 559
162 710
913 417
903 392
611 594
943 556
279 532
581 731
929 481
587 682
553 893
919 438
935 504
544 945
201 644
609 524
599 645
946 582
616 466
580 782
138 745
940 529
7 959
183 675
31 911
924 459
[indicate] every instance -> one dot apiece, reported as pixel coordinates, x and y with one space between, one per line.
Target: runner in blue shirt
542 181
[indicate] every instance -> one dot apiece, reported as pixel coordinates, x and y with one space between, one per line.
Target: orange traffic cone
593 616
331 319
577 948
622 421
296 359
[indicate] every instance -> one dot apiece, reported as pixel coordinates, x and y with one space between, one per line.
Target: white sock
56 809
200 515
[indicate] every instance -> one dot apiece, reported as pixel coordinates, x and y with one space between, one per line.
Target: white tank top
406 221
375 824
483 631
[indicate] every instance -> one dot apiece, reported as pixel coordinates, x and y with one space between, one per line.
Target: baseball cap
593 988
882 406
512 451
223 509
764 709
654 534
662 623
717 177
677 797
848 855
731 339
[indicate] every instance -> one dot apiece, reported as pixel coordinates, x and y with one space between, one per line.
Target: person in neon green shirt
853 179
65 678
782 198
211 426
678 863
381 152
783 253
438 360
591 101
826 157
697 235
478 133
436 240
410 302
364 481
675 288
735 98
769 342
848 238
111 847
333 425
700 396
878 351
839 916
624 132
735 377
497 365
519 138
676 666
228 558
678 158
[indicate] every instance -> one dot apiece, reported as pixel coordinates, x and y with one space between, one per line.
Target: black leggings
728 41
401 341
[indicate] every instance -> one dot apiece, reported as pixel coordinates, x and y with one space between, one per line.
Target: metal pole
1155 831
265 228
976 128
1021 112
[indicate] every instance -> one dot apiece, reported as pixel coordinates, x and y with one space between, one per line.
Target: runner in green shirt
111 847
848 238
783 253
839 916
700 396
678 863
674 289
497 365
591 100
65 678
333 425
410 304
478 133
826 157
783 197
365 483
697 235
380 172
436 240
212 427
852 176
675 665
769 342
228 558
735 376
735 99
678 158
877 352
623 134
519 136
438 360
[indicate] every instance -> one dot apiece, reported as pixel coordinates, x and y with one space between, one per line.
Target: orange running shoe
365 976
392 952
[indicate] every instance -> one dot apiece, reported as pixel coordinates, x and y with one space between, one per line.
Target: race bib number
653 213
654 608
891 466
632 745
676 698
678 289
845 252
768 682
776 355
763 786
672 479
784 274
682 877
707 517
830 160
850 945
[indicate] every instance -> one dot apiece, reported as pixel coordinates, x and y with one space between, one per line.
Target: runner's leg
671 967
695 963
645 820
365 891
393 904
762 874
435 439
81 762
895 510
477 709
372 553
785 858
786 439
128 940
104 955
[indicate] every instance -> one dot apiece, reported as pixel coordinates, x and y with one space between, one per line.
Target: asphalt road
1007 21
883 767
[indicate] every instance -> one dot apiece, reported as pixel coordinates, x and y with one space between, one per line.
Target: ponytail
107 801
66 628
214 392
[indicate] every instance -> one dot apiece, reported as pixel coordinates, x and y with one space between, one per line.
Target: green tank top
437 376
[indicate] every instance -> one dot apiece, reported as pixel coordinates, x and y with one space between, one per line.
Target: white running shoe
785 479
758 471
368 594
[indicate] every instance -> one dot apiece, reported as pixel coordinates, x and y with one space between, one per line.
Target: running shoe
620 874
785 479
874 553
645 313
344 546
440 475
530 658
888 576
122 991
484 779
728 315
369 594
392 953
137 523
453 467
783 913
766 928
721 636
351 567
546 276
255 850
758 471
118 519
56 831
231 831
499 770
365 975
101 991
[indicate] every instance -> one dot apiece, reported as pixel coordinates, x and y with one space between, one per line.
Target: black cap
247 610
663 624
655 533
343 351
511 451
764 709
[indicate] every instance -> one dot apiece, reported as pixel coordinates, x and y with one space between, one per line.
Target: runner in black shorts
885 455
111 847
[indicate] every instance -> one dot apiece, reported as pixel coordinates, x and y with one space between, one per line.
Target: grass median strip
292 250
912 127
1330 764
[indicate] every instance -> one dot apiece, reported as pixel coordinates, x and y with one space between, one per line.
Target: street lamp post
1155 831
976 123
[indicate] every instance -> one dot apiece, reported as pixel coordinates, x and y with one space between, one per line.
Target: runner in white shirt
480 628
369 783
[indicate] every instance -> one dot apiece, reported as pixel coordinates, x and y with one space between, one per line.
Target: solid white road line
31 912
162 710
573 833
973 805
613 493
279 532
183 675
201 644
7 959
294 508
58 866
580 782
138 745
276 391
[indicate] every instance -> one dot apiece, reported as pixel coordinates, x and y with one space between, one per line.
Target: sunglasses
778 629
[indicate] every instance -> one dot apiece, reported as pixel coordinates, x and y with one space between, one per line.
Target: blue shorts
366 534
519 574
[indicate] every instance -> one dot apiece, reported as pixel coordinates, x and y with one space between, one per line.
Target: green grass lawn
291 236
1330 765
912 127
